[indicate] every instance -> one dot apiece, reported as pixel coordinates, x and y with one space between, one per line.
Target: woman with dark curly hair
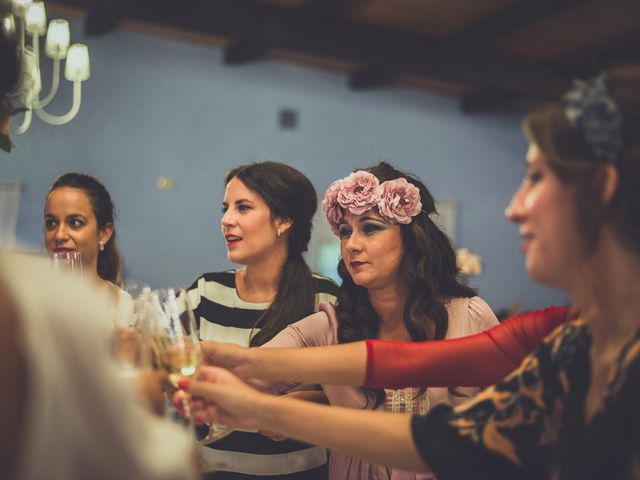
399 282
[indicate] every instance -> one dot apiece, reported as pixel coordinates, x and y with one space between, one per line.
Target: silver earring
101 246
278 233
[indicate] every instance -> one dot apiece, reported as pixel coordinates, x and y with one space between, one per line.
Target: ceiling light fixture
29 19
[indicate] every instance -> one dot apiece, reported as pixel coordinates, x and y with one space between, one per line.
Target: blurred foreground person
64 413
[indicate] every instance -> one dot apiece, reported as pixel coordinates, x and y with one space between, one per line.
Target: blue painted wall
155 107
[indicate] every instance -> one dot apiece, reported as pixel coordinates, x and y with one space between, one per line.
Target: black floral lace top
532 423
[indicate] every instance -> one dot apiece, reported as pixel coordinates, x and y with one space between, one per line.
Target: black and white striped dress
224 317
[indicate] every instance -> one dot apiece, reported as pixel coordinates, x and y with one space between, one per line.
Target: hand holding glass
175 335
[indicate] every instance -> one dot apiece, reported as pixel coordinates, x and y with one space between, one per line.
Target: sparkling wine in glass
175 336
181 361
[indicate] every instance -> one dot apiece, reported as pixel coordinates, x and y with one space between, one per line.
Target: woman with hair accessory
79 216
399 282
571 409
268 209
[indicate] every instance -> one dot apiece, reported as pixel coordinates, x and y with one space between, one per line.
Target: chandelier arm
23 28
67 117
55 83
26 122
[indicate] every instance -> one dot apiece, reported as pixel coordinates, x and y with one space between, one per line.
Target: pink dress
466 317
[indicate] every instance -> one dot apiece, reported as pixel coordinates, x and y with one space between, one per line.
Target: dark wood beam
368 78
246 50
241 52
496 102
353 42
519 15
620 49
318 11
104 16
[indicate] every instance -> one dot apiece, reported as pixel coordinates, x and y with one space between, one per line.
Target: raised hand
227 355
221 397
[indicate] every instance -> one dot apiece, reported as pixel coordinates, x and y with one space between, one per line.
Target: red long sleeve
477 360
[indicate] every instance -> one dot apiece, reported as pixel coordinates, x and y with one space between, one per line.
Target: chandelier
27 23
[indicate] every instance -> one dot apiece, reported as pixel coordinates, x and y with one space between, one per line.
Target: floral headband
590 109
397 201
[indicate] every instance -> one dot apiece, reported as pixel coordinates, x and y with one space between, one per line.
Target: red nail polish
183 384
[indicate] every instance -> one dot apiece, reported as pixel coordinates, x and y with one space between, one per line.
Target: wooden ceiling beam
244 51
354 42
492 102
519 15
619 50
104 16
368 77
317 11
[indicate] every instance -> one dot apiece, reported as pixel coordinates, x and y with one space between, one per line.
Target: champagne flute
68 261
175 336
215 432
131 337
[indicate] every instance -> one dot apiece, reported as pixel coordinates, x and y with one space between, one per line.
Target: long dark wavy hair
289 195
428 267
109 263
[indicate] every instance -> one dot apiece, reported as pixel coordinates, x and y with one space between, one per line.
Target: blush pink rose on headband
330 206
359 192
399 201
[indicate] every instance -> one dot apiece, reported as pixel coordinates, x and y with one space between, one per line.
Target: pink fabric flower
359 192
399 201
331 207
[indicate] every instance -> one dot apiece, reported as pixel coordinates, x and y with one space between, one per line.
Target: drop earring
101 246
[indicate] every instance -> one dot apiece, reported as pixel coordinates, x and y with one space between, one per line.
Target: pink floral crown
397 200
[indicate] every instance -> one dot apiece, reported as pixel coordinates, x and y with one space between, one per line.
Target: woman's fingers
275 437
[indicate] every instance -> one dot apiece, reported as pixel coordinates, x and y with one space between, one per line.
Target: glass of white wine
68 261
175 336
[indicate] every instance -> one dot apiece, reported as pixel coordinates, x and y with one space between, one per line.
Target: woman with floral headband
399 282
571 409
